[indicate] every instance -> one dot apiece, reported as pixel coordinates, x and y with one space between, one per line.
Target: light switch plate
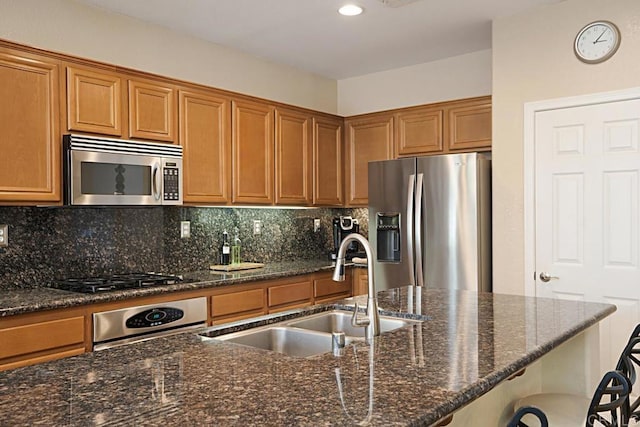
185 229
316 225
4 235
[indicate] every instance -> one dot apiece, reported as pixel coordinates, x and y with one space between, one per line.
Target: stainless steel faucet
372 321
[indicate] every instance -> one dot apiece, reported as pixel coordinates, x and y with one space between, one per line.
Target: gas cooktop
115 282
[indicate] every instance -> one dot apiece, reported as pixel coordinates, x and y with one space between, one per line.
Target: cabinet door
327 165
360 281
206 140
94 102
368 139
29 122
152 111
419 132
298 294
237 305
37 341
293 157
252 147
326 286
470 125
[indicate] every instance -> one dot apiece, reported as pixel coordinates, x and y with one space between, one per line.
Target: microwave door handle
411 190
155 179
418 227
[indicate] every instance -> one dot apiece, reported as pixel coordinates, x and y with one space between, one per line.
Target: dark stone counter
408 377
18 301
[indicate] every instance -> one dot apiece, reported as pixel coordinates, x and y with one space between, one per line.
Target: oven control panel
154 317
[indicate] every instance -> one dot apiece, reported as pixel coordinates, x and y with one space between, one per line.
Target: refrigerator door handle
418 229
411 190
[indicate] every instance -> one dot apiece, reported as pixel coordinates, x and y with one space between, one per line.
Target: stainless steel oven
129 325
106 171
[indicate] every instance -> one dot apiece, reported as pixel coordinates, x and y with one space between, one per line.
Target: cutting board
237 267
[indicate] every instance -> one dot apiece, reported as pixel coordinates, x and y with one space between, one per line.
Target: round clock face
597 42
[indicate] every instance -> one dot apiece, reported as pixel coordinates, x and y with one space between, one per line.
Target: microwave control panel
171 187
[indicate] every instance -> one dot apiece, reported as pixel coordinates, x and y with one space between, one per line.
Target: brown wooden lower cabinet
237 305
360 281
326 290
290 294
27 340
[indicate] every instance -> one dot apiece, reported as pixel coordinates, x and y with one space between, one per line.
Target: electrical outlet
257 226
316 225
4 235
185 229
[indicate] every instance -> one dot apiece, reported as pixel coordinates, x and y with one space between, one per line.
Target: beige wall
74 28
533 60
457 77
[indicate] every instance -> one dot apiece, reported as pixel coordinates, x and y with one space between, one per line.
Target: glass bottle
225 249
235 249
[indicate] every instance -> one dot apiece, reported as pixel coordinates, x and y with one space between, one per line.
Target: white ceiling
310 35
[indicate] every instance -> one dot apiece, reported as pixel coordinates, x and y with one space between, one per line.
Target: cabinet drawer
326 286
237 302
286 294
23 340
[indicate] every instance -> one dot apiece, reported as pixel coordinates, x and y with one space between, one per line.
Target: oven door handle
155 179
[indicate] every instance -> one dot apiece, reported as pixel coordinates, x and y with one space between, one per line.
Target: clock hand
599 37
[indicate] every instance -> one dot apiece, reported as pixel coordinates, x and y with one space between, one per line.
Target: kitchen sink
340 321
290 341
306 336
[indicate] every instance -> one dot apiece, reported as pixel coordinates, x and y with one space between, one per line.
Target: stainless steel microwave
106 171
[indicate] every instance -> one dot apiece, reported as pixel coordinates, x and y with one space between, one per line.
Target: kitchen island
469 344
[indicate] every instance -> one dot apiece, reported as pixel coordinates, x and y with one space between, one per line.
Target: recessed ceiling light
350 10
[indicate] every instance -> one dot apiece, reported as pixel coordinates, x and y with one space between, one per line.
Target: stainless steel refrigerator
430 221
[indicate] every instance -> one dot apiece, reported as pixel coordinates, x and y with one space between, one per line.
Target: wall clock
597 42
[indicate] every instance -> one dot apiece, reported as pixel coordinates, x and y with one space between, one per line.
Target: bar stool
573 406
609 407
629 360
516 421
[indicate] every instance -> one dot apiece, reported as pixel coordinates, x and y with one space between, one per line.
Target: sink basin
290 341
306 336
340 321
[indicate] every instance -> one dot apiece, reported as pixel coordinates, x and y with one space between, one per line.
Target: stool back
610 404
628 364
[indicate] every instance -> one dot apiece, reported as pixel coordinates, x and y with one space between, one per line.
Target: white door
587 162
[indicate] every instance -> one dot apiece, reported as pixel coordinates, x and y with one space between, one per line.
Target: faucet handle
358 322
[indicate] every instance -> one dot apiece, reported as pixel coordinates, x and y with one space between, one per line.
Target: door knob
545 277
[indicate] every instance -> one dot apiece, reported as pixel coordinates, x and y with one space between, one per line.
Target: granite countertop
19 301
421 373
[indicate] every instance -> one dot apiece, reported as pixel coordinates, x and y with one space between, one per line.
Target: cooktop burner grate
114 282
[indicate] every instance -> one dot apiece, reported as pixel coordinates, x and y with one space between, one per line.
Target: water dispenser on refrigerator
388 237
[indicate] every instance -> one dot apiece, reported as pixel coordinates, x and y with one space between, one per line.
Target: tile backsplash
57 242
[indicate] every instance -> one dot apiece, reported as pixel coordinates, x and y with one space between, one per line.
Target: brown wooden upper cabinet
94 101
293 157
29 122
253 149
419 131
328 165
152 110
369 138
205 135
469 125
